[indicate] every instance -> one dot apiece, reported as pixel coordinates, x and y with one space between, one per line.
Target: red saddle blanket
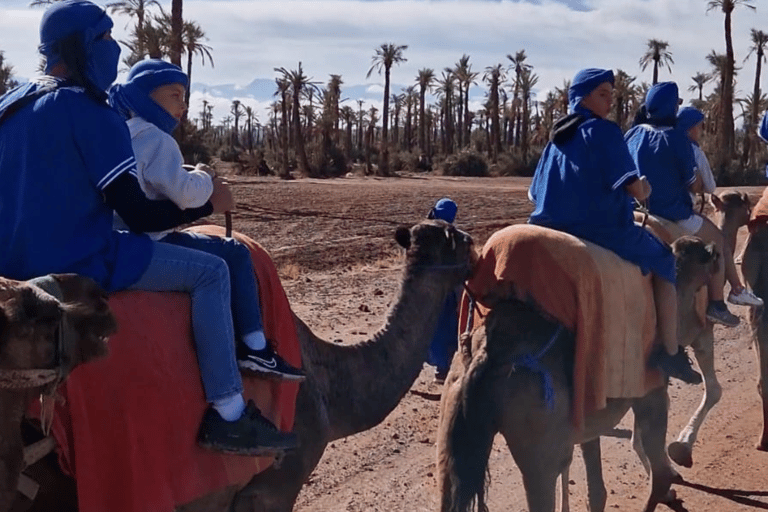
603 299
127 430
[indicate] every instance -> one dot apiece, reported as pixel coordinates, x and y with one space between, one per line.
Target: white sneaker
745 298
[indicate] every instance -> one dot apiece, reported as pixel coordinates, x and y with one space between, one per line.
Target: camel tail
465 438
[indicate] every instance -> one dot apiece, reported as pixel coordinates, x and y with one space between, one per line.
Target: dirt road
332 241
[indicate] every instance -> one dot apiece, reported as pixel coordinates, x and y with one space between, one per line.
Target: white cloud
252 37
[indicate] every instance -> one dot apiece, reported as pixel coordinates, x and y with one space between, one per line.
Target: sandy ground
332 241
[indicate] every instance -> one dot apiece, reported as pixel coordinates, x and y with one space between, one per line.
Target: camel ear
717 202
745 198
403 237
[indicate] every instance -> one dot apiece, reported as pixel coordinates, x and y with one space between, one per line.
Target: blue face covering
133 97
103 57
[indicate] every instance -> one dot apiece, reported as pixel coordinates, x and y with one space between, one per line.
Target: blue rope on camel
533 363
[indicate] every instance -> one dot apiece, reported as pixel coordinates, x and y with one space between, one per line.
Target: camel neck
368 379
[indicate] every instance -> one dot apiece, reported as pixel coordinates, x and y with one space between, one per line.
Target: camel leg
596 493
565 497
651 425
681 451
760 341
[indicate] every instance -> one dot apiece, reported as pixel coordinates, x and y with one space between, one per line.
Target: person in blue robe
584 185
663 154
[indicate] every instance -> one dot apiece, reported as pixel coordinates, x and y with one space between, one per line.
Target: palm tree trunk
727 98
176 28
189 77
384 160
299 138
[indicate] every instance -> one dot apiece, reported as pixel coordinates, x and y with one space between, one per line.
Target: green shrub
466 163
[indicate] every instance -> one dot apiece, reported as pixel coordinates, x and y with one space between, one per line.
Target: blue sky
251 37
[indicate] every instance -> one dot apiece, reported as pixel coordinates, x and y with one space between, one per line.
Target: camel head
696 262
31 324
437 245
734 206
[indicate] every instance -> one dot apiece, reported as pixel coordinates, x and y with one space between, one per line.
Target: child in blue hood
583 185
663 153
152 101
67 166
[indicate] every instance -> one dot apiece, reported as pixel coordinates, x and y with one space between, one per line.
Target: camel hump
603 299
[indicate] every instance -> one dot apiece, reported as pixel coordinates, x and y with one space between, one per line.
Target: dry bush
466 163
289 271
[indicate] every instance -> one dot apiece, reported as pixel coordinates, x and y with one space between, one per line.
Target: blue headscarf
661 104
445 209
586 81
89 21
688 117
133 97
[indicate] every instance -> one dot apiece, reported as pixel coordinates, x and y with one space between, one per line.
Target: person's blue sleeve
609 148
763 132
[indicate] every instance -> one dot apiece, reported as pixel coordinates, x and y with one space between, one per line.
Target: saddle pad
127 430
603 299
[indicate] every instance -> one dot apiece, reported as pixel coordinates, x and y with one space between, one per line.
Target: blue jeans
246 310
206 278
446 338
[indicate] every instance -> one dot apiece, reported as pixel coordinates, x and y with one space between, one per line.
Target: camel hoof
675 477
762 445
680 454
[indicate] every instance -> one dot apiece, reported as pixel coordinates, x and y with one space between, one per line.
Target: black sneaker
252 434
678 366
266 362
717 313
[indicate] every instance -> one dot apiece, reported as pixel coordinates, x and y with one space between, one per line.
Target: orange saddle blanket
127 430
603 299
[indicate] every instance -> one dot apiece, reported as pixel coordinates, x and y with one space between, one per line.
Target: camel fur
351 388
30 320
486 394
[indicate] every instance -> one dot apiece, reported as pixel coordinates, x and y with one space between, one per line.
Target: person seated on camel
691 121
152 102
583 185
67 166
663 154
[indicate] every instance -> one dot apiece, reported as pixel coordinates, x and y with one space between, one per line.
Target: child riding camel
152 101
583 185
67 166
663 153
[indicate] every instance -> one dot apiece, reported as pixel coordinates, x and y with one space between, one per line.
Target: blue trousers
206 278
446 339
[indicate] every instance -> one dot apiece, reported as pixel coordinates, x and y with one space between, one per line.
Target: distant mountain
263 89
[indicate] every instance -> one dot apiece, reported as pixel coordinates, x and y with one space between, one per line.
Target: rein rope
533 363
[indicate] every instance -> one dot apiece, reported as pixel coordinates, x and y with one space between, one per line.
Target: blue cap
150 74
688 117
661 101
586 81
445 209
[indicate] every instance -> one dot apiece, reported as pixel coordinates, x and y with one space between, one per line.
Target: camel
351 388
37 351
483 396
755 272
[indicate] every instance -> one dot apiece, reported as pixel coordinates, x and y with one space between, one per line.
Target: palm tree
300 84
699 79
424 79
237 112
131 8
726 99
177 27
6 73
334 96
193 37
386 56
658 54
759 42
622 90
528 80
494 76
518 64
348 114
283 87
444 88
397 106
